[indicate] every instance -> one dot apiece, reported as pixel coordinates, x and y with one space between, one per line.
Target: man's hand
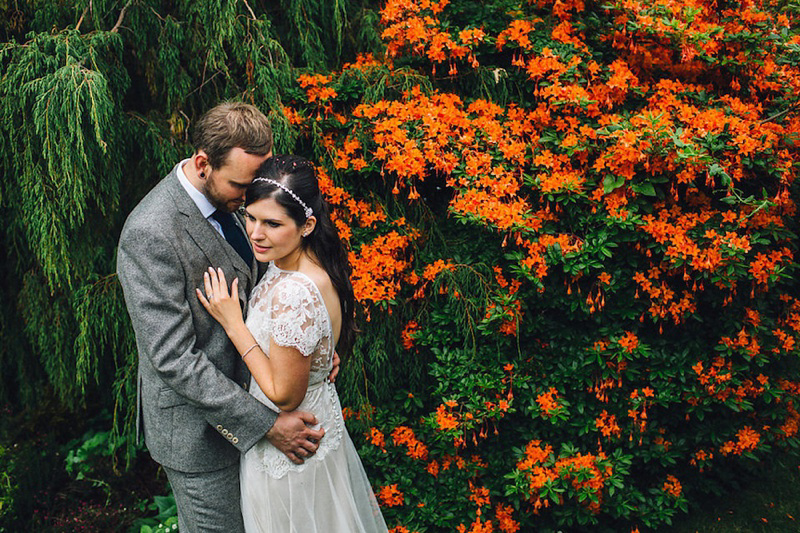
335 370
292 435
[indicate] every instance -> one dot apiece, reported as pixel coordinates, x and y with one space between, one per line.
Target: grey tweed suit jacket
192 400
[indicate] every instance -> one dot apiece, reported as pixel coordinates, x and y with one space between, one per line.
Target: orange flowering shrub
573 231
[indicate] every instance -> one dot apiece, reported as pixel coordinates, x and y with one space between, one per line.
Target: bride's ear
309 225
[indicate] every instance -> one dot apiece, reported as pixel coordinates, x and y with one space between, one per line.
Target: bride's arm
283 376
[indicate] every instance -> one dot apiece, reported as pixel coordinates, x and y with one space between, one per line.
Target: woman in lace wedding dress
296 314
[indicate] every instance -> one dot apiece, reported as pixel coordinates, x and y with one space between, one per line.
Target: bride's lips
260 249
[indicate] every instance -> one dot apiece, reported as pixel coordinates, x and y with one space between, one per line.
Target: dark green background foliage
91 119
97 98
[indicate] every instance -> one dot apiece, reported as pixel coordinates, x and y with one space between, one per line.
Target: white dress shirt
205 207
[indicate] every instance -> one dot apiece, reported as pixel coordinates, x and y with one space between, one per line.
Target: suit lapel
202 233
254 264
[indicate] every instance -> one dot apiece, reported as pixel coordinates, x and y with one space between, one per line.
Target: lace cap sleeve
294 316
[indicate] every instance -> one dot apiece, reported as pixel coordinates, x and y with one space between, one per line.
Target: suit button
244 385
225 432
235 440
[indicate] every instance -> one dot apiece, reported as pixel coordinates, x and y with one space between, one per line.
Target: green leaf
611 182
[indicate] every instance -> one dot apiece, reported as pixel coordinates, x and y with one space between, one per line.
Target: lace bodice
287 307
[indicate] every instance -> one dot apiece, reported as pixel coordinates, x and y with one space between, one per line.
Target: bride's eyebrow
266 220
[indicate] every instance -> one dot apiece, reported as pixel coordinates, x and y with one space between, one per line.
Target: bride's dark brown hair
298 175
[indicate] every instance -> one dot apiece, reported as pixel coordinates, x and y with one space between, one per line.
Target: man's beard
226 206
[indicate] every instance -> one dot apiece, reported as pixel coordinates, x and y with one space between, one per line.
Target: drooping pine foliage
98 98
59 91
573 228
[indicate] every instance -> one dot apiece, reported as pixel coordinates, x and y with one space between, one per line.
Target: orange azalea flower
628 341
433 468
377 438
403 435
534 454
406 334
445 420
477 526
747 439
672 486
294 118
548 402
431 271
390 496
607 424
570 466
315 89
478 495
518 32
505 522
378 267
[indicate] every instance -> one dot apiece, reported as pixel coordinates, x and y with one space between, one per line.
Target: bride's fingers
208 286
218 284
223 283
212 274
235 289
202 298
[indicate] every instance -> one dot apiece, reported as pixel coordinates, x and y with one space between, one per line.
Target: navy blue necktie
234 235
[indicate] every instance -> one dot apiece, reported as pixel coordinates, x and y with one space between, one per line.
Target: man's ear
201 165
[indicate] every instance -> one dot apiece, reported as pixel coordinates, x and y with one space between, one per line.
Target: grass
767 500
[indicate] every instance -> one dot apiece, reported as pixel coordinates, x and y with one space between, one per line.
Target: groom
192 400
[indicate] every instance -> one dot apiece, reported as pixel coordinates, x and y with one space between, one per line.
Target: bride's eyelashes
270 223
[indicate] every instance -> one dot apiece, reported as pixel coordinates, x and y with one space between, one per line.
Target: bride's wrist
238 330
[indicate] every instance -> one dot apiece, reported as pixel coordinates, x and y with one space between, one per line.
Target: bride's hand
221 304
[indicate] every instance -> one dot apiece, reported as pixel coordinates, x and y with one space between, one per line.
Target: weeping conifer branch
121 17
102 337
64 170
59 139
81 142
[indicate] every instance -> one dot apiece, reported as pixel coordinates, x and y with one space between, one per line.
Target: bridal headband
308 211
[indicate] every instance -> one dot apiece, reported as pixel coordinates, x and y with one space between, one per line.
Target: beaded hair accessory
308 211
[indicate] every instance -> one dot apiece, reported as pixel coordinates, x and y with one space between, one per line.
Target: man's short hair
232 125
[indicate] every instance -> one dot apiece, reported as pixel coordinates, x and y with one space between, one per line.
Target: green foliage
94 113
59 129
582 355
8 488
166 518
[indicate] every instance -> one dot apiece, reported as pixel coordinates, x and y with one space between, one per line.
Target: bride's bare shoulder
313 270
320 278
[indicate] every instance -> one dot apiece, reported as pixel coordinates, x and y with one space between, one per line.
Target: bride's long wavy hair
298 175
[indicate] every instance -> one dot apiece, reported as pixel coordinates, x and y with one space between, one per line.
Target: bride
300 310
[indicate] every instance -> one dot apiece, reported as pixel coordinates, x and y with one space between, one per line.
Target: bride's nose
257 232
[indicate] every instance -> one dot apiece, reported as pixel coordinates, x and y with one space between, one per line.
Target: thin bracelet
247 351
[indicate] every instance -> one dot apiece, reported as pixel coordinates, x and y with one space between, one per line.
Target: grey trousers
207 501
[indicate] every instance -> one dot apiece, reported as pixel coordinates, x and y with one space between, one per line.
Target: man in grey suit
196 413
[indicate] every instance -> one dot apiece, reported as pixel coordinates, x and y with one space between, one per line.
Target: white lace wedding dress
330 491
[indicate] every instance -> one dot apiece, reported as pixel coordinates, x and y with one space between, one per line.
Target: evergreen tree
98 98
